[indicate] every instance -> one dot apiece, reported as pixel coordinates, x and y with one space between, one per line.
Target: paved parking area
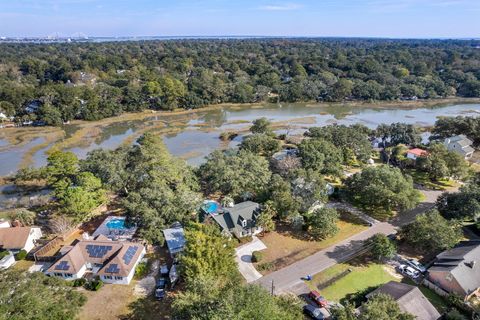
244 259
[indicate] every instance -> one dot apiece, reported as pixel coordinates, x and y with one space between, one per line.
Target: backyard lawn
360 278
422 178
286 246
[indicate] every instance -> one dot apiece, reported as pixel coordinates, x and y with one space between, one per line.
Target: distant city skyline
305 18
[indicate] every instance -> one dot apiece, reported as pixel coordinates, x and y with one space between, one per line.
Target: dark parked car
313 312
161 283
159 293
164 270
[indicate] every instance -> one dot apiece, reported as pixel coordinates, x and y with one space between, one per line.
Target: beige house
113 261
15 239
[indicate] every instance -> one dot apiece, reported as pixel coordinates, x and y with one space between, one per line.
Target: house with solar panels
112 261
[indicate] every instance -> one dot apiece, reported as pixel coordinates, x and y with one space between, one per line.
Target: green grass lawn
422 178
361 277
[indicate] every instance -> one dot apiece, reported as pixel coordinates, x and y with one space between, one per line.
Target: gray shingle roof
463 262
410 299
231 219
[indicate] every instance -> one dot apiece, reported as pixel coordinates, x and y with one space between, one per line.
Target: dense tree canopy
382 247
441 163
207 254
320 155
322 223
353 141
431 232
462 205
161 189
239 174
382 189
213 299
96 80
398 133
26 296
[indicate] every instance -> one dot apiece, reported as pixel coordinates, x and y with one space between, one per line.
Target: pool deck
114 234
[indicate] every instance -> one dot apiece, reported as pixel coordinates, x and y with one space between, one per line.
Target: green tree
262 126
383 307
320 155
61 167
463 205
239 174
215 299
353 139
28 296
265 219
382 247
207 254
431 232
282 199
162 189
322 223
382 189
345 312
262 144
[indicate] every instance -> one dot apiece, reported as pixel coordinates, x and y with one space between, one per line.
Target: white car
409 271
416 265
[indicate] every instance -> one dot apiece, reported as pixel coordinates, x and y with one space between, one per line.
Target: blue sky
358 18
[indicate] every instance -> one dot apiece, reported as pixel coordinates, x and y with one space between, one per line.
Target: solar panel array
127 257
97 251
63 265
113 268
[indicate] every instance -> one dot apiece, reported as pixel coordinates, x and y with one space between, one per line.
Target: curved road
288 279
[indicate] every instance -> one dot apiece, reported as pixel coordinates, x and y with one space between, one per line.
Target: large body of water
196 134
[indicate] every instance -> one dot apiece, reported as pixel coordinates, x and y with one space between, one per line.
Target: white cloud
281 7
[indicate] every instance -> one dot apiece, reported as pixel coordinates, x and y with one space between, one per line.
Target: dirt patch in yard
286 246
109 303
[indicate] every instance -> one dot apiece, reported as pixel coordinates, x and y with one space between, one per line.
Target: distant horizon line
140 37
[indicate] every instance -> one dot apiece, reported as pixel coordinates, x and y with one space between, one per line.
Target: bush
3 254
141 270
257 256
93 285
79 282
265 266
21 255
228 136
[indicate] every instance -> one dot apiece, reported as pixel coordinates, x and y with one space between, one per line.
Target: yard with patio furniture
286 246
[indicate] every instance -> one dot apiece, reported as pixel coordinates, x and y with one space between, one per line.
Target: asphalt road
288 279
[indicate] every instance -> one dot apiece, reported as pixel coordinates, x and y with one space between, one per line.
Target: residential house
15 239
239 220
175 239
458 270
410 300
112 261
33 106
461 145
416 153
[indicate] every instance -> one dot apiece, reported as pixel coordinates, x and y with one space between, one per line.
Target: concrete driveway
244 259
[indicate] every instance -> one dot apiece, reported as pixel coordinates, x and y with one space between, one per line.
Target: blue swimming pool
211 207
117 224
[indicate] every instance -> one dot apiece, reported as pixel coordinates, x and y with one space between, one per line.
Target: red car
319 300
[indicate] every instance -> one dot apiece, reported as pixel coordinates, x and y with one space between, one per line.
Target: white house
15 239
113 261
461 145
